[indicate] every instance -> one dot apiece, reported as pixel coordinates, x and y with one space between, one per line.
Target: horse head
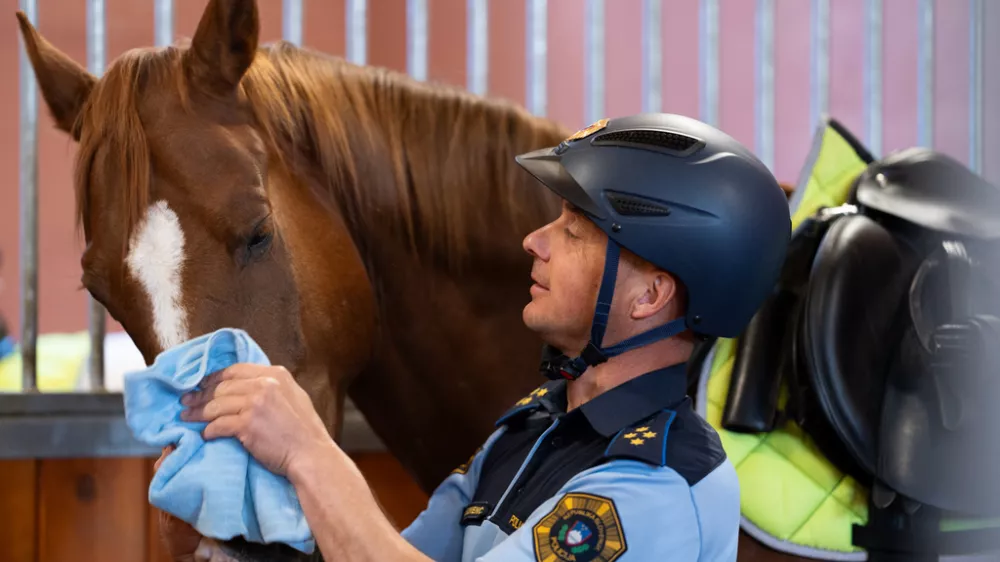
193 214
364 227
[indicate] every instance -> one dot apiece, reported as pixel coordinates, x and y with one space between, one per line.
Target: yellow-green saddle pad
60 360
792 498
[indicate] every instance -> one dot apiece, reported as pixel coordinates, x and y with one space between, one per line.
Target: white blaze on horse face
155 258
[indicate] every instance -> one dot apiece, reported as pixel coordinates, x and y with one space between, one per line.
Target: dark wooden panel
93 509
157 552
395 490
18 511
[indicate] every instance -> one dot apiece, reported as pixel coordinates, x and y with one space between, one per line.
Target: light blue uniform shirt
659 487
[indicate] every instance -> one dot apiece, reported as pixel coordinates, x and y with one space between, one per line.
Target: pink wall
63 306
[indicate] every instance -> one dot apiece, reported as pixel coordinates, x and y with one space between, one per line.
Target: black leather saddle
885 329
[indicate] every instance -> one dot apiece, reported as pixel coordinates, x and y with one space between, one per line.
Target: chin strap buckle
562 367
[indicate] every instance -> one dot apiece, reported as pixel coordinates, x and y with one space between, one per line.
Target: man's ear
659 290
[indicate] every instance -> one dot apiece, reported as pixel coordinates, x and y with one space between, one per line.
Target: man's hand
264 408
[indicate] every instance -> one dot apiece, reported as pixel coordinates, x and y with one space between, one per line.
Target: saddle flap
934 191
859 279
938 436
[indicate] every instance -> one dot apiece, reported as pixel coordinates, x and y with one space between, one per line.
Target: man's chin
532 318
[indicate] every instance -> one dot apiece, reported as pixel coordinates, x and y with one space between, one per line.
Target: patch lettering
580 528
475 513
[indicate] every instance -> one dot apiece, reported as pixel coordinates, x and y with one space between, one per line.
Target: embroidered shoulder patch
645 441
587 131
580 528
464 467
528 403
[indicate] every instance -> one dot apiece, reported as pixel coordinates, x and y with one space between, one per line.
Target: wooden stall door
82 510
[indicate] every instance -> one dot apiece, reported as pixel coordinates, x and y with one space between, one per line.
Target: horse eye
260 240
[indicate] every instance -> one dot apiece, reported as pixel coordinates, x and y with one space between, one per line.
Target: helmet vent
677 143
631 205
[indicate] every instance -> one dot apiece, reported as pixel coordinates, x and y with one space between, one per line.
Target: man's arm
437 531
349 525
342 512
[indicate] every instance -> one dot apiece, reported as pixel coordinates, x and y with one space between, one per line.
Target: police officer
679 232
670 231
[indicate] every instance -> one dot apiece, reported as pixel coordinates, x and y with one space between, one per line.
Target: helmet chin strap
558 366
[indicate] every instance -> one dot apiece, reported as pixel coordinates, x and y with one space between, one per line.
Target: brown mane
375 135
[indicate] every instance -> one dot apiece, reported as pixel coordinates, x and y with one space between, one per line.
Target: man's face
569 257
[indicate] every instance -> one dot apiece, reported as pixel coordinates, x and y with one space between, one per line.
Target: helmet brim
546 167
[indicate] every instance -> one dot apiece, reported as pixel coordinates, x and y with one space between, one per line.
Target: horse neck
428 167
425 180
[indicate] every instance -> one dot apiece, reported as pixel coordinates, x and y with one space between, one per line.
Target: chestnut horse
365 228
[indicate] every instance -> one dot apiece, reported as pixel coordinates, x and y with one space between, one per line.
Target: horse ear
223 46
65 85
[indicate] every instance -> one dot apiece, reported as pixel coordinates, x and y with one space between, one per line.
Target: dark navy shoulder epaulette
679 439
529 403
645 441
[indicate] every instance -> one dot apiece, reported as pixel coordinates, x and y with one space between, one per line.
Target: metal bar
709 61
925 75
594 69
88 436
537 37
291 21
977 15
357 31
28 188
477 44
764 94
96 315
96 42
61 404
819 95
416 38
163 22
652 56
873 76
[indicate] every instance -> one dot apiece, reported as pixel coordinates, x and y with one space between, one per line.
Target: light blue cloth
7 346
216 485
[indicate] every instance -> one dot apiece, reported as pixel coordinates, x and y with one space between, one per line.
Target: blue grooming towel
7 346
216 486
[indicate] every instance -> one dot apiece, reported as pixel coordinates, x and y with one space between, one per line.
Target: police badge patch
580 528
588 130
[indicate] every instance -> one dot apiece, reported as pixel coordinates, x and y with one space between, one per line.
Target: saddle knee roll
752 403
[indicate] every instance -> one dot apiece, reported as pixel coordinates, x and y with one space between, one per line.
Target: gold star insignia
649 434
637 441
630 435
541 392
641 429
524 401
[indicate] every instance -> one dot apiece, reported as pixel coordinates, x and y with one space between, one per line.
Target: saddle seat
885 329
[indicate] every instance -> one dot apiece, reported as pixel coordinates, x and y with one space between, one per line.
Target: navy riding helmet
687 198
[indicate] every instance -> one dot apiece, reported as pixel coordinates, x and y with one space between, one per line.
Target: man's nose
537 244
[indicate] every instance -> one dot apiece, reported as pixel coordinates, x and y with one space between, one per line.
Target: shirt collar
635 399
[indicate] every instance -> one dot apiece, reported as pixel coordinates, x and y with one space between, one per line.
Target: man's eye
570 233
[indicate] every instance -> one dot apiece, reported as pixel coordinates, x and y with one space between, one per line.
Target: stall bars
34 424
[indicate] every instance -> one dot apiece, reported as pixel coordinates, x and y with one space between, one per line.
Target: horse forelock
110 119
